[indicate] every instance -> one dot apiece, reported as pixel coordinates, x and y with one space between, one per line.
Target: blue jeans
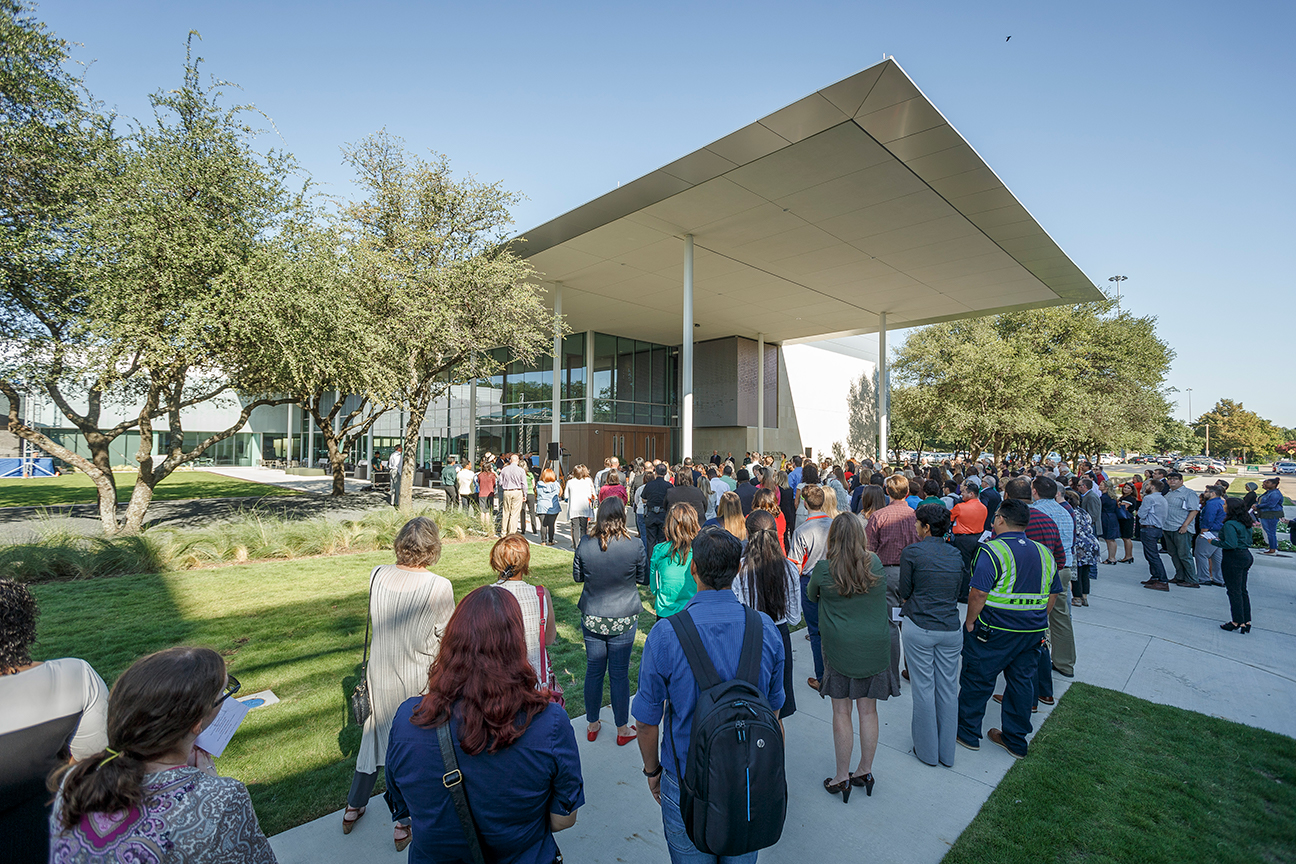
1151 539
1270 527
682 850
602 652
811 613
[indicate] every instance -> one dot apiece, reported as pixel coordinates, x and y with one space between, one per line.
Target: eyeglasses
231 687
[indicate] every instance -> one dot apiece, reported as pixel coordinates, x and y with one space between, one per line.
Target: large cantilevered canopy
857 200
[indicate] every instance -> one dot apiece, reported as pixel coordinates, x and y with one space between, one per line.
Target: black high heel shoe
865 780
1230 627
844 788
1246 628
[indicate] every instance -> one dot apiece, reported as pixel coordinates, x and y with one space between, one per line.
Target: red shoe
623 740
592 734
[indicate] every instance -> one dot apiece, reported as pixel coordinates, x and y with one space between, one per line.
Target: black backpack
733 794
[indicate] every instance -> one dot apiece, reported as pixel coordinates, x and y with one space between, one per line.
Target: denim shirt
1212 515
664 673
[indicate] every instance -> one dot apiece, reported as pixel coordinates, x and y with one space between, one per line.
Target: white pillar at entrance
310 443
760 393
883 389
288 436
686 354
557 365
589 376
472 416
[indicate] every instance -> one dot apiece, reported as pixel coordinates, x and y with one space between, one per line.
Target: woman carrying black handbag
485 741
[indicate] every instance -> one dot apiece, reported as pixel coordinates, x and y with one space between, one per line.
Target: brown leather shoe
814 683
996 737
904 673
1157 586
998 697
1047 700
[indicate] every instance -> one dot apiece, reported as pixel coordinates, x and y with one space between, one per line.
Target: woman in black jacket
684 491
612 565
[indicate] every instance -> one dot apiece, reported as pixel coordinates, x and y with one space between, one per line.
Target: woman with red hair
515 749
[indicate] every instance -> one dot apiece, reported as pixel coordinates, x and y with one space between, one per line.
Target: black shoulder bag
361 704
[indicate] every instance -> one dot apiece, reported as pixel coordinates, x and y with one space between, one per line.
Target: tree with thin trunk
433 250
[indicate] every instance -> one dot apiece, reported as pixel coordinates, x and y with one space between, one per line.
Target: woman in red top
768 499
613 487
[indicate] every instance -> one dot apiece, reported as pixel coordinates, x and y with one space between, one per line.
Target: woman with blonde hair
850 587
409 606
729 515
670 573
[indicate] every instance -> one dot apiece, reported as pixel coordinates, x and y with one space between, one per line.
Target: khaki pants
1061 633
513 500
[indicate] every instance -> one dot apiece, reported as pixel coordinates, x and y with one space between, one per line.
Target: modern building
730 300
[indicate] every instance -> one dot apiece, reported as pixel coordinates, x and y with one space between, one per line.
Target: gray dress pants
933 658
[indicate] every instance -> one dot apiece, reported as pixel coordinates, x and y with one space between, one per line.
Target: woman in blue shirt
547 505
515 748
1270 509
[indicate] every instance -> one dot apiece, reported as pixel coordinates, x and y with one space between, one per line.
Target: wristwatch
652 774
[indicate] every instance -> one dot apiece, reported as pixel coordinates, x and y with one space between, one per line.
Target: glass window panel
642 376
604 365
658 374
625 412
658 415
602 410
642 412
577 411
625 376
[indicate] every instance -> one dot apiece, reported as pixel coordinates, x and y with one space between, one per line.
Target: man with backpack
713 672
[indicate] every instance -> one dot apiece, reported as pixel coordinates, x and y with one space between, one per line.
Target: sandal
401 841
349 824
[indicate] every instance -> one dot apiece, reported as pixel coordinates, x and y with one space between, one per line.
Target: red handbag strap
544 627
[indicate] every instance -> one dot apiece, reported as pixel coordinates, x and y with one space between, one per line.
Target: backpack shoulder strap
753 642
699 661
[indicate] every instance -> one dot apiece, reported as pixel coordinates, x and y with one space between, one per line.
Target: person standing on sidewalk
1014 586
1211 521
1152 520
1269 507
394 467
1235 540
1182 505
450 482
1044 491
809 547
888 532
969 524
512 483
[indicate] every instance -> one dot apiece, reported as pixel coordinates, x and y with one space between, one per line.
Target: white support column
760 393
288 436
557 365
589 376
686 355
883 389
310 442
472 416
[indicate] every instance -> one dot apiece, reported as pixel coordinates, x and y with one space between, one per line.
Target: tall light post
1118 280
1189 404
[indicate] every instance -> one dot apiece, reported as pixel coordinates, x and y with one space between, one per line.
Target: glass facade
635 382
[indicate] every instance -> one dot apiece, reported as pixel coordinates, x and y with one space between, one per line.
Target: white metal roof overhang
856 200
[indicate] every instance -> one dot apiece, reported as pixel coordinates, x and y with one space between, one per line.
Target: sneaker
996 737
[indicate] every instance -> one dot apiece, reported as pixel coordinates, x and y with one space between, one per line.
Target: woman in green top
670 573
850 587
1235 540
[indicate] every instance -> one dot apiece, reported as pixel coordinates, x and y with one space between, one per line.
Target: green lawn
1112 778
78 489
294 627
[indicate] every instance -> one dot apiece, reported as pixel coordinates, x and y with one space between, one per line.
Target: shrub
62 554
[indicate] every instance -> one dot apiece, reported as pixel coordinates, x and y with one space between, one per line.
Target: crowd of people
466 718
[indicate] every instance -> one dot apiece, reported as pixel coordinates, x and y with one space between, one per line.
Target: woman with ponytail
768 582
151 795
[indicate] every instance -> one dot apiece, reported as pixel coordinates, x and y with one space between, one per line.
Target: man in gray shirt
809 547
1182 505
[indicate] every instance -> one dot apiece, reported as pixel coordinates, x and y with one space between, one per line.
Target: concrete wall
724 383
820 380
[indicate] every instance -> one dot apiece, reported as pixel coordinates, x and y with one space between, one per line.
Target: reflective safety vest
1002 595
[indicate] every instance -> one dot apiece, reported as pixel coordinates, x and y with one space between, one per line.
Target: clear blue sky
1152 140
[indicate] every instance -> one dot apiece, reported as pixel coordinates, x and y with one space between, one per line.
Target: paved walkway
1167 648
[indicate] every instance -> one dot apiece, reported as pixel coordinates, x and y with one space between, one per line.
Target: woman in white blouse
768 582
579 496
49 712
410 607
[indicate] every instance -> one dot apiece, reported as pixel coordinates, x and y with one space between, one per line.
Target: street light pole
1118 280
1189 404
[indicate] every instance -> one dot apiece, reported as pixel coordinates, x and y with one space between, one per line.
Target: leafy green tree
1174 436
434 250
1237 430
161 268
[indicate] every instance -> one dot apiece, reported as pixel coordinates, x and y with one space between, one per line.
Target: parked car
1286 467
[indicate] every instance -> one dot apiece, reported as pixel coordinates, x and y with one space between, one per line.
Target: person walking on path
579 495
664 675
888 532
670 570
768 582
1152 520
1211 521
611 566
410 607
548 505
809 546
512 482
1014 584
858 670
931 574
1235 540
1269 507
1182 505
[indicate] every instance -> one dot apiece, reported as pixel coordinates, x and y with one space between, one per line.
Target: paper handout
216 737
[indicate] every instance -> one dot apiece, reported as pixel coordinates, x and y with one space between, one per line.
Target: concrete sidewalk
1167 648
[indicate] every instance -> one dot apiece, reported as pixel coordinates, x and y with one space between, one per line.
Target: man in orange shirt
969 523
